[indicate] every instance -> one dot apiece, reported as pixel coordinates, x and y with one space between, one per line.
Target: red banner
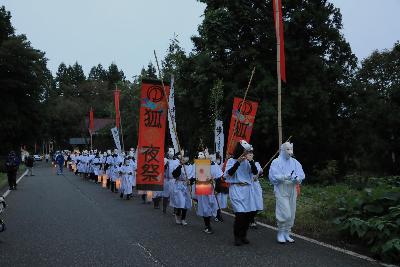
152 124
91 121
244 113
117 94
279 36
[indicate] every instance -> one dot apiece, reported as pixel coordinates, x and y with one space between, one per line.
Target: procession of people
241 175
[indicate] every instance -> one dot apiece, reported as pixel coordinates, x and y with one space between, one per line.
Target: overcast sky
127 31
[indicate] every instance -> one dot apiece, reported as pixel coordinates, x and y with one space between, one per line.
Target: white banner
219 139
115 134
171 115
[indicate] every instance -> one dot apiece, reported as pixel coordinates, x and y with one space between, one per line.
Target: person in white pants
285 173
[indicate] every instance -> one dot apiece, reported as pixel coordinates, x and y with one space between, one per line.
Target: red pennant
91 121
279 37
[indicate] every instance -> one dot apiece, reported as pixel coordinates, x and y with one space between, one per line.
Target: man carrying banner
181 197
133 164
169 180
96 163
126 171
239 174
117 161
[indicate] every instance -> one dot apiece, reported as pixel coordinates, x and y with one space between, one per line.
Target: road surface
62 220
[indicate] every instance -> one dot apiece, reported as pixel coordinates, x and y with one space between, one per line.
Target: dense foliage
374 217
343 116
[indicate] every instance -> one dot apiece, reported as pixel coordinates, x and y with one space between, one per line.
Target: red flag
117 94
91 121
279 36
245 117
152 125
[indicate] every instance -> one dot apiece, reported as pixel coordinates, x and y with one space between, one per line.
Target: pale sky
127 31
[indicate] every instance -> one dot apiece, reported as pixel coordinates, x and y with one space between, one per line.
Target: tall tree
376 119
97 73
235 36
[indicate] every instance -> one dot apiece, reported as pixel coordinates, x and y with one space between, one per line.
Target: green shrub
327 174
375 219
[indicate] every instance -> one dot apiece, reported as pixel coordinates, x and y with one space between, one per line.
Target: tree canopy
337 109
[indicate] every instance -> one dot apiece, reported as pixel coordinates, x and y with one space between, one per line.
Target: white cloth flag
219 139
115 134
171 115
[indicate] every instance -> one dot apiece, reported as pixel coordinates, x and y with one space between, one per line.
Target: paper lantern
203 188
99 178
149 195
203 177
118 183
104 182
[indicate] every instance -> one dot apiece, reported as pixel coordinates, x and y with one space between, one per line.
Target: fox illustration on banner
152 126
243 116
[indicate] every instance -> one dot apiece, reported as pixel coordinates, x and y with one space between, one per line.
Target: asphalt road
66 221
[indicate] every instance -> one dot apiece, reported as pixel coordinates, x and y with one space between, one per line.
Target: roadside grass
3 179
318 206
316 209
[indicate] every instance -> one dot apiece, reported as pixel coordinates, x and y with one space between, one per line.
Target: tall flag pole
280 60
169 111
91 127
117 94
118 124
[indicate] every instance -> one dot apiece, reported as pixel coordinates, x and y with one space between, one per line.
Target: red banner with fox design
152 124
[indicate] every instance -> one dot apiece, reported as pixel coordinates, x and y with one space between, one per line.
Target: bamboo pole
91 140
169 114
278 70
120 123
240 112
122 134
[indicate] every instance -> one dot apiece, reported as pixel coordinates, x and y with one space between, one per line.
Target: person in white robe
117 161
285 173
257 196
221 189
96 165
181 195
109 161
126 171
207 205
239 173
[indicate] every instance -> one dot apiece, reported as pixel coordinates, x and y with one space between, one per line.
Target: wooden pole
169 114
240 112
91 141
278 71
122 136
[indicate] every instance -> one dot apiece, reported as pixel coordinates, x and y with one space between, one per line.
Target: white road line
149 254
345 251
19 179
